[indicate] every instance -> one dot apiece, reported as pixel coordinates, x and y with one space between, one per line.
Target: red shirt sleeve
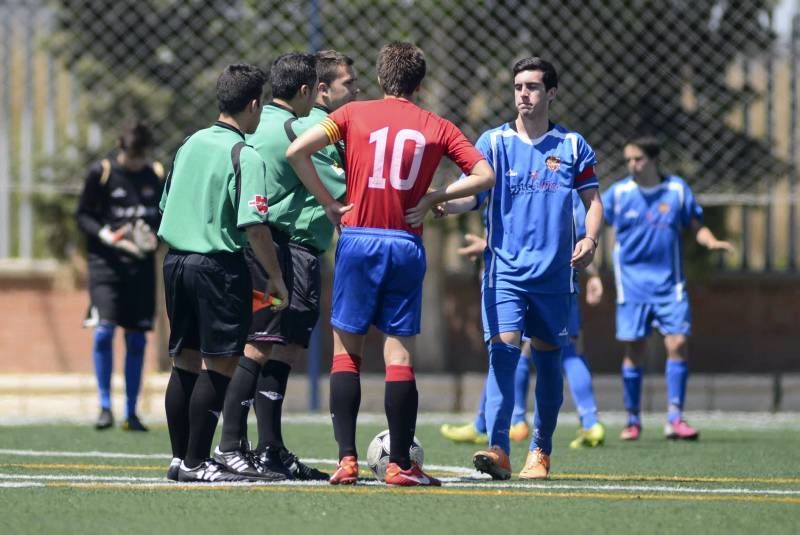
459 149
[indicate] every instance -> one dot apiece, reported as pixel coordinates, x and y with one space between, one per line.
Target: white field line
19 480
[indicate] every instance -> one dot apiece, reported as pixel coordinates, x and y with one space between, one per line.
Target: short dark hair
238 84
328 63
135 137
401 68
533 63
291 71
649 145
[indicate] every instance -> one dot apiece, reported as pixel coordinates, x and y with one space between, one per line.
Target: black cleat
244 463
269 462
299 470
104 420
133 424
209 471
174 468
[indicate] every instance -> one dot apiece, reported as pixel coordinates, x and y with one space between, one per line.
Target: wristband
594 241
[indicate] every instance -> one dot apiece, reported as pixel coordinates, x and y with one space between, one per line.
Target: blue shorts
636 320
574 324
377 281
536 315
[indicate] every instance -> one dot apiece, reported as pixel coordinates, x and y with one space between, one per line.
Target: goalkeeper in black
118 212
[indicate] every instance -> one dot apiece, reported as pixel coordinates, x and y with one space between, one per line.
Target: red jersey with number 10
392 150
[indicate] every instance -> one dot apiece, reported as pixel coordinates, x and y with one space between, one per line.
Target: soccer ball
378 454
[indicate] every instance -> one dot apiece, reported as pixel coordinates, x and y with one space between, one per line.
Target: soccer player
574 365
649 210
303 95
117 210
530 259
214 203
392 150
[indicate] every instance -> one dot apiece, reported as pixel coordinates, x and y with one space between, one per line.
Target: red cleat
680 430
413 477
631 432
346 471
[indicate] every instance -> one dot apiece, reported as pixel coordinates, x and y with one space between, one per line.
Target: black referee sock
204 410
345 400
269 403
400 401
176 402
238 400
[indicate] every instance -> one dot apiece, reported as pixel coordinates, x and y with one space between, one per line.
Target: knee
223 366
541 345
103 336
135 341
676 346
188 360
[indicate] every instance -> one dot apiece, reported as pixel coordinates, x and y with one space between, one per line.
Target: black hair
648 144
135 137
550 77
237 86
291 71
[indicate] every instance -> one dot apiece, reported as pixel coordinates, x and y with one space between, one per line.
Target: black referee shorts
209 299
128 303
301 275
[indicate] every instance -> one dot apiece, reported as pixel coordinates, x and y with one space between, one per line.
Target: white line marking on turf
19 484
15 480
88 454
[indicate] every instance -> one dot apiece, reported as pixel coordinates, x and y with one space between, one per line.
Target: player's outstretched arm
706 238
260 238
480 178
584 251
299 155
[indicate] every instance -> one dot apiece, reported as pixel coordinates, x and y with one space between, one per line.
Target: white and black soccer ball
378 454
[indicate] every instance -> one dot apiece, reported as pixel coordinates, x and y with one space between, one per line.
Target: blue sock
522 379
549 396
500 393
102 357
480 415
580 385
134 362
676 374
632 392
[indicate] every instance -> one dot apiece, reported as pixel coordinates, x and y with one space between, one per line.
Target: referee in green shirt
214 203
305 89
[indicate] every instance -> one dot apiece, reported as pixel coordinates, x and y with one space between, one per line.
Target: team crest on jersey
663 208
553 163
259 202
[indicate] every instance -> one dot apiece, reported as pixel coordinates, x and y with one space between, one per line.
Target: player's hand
474 247
439 210
721 245
120 239
416 215
583 254
336 210
144 237
594 290
277 289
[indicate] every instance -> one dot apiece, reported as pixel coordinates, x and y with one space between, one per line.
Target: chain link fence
716 80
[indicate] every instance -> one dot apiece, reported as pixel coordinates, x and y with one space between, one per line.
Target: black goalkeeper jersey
114 196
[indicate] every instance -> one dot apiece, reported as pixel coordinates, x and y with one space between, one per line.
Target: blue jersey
530 230
648 253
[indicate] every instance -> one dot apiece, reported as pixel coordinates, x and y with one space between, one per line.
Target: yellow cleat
519 431
464 434
537 465
589 438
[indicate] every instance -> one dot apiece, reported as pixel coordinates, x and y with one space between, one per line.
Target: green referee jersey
293 210
217 187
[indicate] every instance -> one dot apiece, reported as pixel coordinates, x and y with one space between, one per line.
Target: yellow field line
440 492
588 477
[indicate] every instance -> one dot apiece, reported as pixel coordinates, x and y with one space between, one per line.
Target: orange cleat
537 465
519 431
413 477
346 471
631 432
494 462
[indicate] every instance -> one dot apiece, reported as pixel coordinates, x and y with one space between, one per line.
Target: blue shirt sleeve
484 146
691 209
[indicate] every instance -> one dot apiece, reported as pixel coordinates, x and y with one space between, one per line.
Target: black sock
269 403
400 401
345 400
204 410
238 400
176 402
